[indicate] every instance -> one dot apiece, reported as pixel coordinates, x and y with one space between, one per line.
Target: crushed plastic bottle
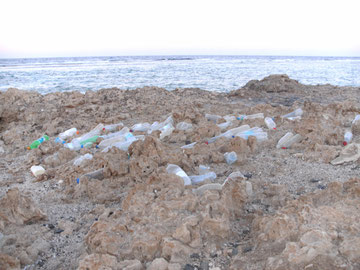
36 143
224 125
188 146
125 144
183 126
68 133
196 179
175 169
229 118
270 123
212 117
288 139
80 159
166 131
230 157
112 127
159 126
203 169
357 118
294 115
251 116
255 131
142 127
78 143
347 137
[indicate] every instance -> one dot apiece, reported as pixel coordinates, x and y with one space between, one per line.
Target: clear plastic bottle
195 179
112 127
183 126
270 123
80 159
255 131
224 125
68 133
212 117
347 138
294 115
142 127
175 169
284 139
166 131
230 157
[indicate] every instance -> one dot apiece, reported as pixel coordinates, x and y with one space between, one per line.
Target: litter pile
188 179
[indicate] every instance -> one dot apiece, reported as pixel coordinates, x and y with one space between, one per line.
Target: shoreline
140 216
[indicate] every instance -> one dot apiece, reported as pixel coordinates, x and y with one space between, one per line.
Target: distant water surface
213 73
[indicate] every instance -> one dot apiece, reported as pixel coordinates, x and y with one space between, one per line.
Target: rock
18 209
9 263
158 264
98 261
350 153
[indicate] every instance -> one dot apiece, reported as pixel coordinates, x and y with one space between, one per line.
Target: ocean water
213 73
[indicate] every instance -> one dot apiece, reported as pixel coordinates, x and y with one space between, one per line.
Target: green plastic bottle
36 143
89 141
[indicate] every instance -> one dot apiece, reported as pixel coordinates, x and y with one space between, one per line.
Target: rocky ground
287 209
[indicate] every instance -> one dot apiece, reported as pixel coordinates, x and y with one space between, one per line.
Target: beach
292 207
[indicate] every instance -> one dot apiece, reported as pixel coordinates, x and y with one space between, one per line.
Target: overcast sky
46 28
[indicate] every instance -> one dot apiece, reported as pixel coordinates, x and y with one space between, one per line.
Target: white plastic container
37 170
67 133
81 159
270 123
234 131
255 131
175 169
213 117
288 139
254 116
230 157
347 138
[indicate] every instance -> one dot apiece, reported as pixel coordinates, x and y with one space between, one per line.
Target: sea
222 73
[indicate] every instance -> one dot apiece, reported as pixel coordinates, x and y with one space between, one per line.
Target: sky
43 28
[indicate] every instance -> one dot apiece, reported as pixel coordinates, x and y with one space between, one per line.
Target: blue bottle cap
78 180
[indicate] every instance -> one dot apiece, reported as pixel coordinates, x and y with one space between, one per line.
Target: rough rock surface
271 209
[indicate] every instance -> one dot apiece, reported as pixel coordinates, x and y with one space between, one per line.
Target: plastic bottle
212 117
255 131
203 169
68 133
183 126
112 127
80 159
188 146
284 139
36 143
229 118
347 138
78 143
58 140
125 144
270 123
294 115
142 127
158 126
232 132
166 131
357 118
224 125
255 116
175 169
195 179
230 157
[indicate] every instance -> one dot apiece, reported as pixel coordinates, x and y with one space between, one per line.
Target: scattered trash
183 126
124 145
230 157
229 118
251 116
166 131
347 138
78 180
188 146
98 174
294 115
224 125
270 123
86 139
357 118
36 143
37 170
175 169
212 117
236 175
196 179
288 139
256 132
203 169
112 127
80 159
142 127
68 133
158 126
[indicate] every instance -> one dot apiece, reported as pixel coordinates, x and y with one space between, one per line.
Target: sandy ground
292 209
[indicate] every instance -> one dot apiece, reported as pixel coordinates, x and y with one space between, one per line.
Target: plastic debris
166 131
270 123
37 170
203 169
183 126
188 146
294 115
68 133
224 125
142 127
212 117
36 143
196 179
175 169
82 158
347 137
256 132
230 157
78 143
288 139
251 116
